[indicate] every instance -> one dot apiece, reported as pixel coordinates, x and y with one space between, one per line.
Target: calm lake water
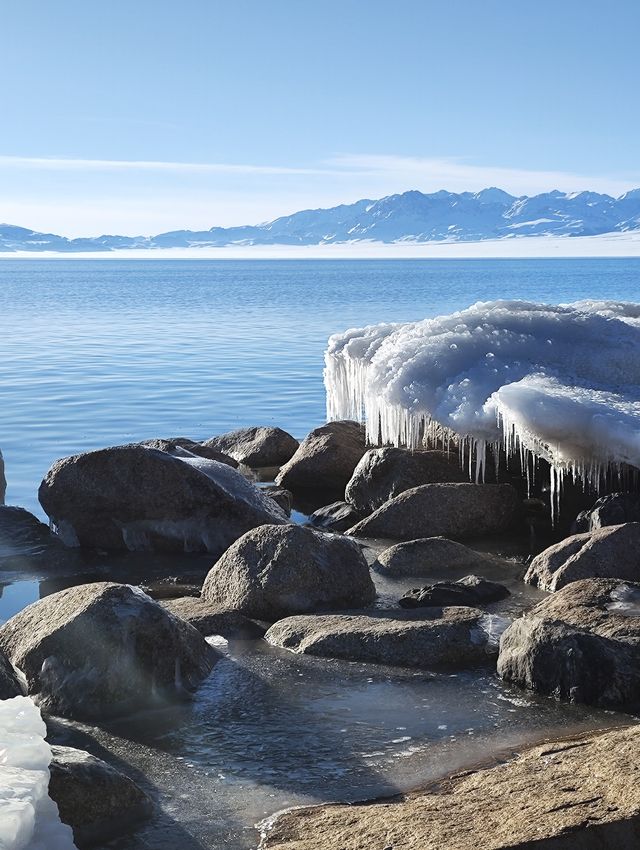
100 352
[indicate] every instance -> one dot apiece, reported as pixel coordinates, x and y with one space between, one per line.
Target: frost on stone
558 382
29 819
625 600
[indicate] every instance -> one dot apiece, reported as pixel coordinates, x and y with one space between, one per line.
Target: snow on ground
605 245
557 382
28 817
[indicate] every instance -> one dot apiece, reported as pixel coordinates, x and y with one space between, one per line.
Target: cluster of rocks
100 650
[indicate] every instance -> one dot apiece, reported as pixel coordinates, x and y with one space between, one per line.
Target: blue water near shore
99 352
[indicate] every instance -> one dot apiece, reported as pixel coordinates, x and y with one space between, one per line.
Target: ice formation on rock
29 818
559 382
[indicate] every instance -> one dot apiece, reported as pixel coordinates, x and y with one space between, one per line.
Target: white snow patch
559 382
29 818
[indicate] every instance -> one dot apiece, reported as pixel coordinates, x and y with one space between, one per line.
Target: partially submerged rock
258 446
337 517
103 649
210 619
274 571
580 644
131 497
325 459
612 509
10 685
440 637
578 794
470 590
184 447
96 800
426 554
384 473
451 510
610 552
3 481
24 541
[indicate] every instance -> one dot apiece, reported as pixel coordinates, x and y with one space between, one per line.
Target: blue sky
137 117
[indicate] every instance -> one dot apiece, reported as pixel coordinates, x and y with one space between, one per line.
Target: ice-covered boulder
258 446
558 382
426 554
136 498
103 649
184 447
337 517
451 510
325 459
384 473
470 590
3 481
29 818
437 637
274 571
612 509
609 552
97 801
580 644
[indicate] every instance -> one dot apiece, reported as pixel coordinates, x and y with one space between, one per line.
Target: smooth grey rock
451 510
100 650
337 517
325 459
384 473
141 499
610 552
258 446
439 637
184 447
10 685
210 619
274 571
613 509
97 801
470 590
422 556
580 644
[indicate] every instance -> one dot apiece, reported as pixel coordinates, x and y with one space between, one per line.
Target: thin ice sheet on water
559 382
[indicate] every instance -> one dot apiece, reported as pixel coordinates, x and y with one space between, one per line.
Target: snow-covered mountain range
410 217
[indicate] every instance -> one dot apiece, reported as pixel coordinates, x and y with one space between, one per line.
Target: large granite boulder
439 637
97 801
259 446
336 517
384 473
274 571
184 447
136 498
451 510
325 459
580 644
104 649
470 590
210 619
576 794
426 554
610 552
9 680
612 509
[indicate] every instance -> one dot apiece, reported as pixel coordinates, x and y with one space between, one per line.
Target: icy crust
559 382
29 818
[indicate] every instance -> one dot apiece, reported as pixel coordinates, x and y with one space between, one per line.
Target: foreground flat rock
440 637
104 649
576 795
470 590
383 474
610 552
581 644
211 619
274 571
258 446
325 459
141 499
422 556
450 510
96 800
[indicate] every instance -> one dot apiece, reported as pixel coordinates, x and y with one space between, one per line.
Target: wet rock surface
612 509
25 541
337 517
104 649
451 510
440 637
384 473
325 459
135 498
210 619
470 590
422 556
580 794
274 571
610 552
257 446
580 644
10 685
